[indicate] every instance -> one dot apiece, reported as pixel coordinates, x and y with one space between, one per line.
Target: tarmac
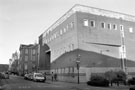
84 86
76 86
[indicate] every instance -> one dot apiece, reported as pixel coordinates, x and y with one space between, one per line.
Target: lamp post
78 66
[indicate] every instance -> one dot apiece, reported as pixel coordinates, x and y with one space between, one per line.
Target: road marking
20 87
48 86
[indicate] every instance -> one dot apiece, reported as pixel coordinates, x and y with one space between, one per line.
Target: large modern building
99 40
28 61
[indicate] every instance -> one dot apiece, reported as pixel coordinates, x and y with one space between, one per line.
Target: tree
115 76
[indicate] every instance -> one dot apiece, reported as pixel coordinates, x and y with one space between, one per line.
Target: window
34 51
60 32
64 30
122 30
25 67
71 47
26 51
92 23
109 26
85 22
26 58
72 24
103 25
121 27
115 27
131 30
33 58
55 35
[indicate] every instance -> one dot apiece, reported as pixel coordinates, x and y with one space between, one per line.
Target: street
18 83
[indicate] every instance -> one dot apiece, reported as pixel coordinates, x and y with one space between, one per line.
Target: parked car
131 81
28 76
132 88
38 77
5 75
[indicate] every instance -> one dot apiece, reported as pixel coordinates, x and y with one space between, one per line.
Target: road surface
18 83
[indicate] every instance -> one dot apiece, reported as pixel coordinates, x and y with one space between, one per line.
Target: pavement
84 86
74 86
1 84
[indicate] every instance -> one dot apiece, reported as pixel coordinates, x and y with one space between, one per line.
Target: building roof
25 46
91 10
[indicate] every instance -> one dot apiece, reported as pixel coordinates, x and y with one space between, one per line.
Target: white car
38 77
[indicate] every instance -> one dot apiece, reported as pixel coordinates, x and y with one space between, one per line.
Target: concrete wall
99 48
62 39
98 38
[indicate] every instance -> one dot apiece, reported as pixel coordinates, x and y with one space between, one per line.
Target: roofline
72 11
105 10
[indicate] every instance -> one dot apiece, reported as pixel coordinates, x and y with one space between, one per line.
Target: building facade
44 56
13 63
100 40
4 67
28 61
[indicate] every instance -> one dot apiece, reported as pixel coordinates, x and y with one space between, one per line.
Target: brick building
28 61
100 39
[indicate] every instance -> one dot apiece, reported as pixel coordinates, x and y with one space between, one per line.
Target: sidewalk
1 84
84 86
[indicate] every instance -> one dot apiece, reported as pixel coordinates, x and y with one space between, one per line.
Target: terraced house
96 39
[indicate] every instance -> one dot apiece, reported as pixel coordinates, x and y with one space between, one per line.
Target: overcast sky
22 21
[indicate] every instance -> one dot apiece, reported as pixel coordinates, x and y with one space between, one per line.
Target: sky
23 21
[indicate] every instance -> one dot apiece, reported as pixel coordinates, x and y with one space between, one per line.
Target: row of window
69 26
86 23
65 70
33 51
109 26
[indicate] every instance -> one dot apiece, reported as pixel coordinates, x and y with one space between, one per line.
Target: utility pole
123 50
78 66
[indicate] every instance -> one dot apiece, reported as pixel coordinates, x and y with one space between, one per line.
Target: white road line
20 87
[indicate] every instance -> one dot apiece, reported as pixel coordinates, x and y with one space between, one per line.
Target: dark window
121 27
115 27
92 23
103 25
109 26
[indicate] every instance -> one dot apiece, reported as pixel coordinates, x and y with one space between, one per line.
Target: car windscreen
38 75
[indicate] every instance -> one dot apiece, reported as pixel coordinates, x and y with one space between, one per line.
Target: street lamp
78 66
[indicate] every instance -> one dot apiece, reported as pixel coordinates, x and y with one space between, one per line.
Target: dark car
26 76
132 88
131 81
5 75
